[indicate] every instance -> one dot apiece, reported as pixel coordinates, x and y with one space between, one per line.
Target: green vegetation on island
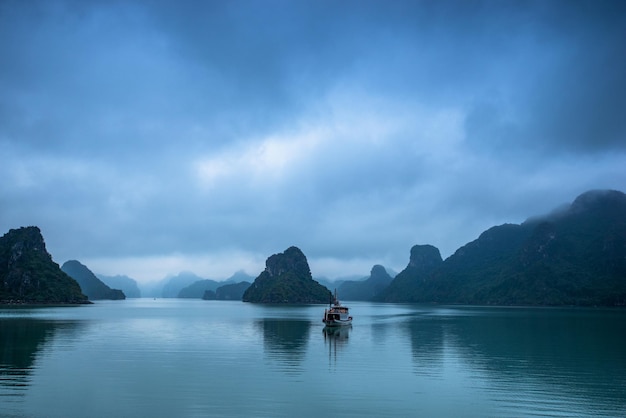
286 279
574 256
29 276
422 261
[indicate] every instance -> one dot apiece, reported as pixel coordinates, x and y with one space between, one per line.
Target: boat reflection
337 334
336 338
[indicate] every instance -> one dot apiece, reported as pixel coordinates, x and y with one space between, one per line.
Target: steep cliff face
93 287
286 279
28 274
423 260
292 261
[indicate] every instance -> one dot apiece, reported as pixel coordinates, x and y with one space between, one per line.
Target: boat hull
337 323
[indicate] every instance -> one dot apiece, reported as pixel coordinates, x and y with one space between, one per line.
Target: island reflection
524 350
285 341
21 339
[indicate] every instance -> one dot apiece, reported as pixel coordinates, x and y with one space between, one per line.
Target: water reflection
570 352
285 341
21 339
336 338
565 357
427 346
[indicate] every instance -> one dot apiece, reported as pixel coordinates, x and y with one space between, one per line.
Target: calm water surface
192 358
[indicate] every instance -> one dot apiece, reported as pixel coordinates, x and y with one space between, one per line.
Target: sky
147 138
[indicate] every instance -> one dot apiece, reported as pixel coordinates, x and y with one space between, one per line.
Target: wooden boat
336 315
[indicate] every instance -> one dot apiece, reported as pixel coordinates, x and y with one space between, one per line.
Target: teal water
192 358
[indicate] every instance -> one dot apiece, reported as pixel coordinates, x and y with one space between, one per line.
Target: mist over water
189 358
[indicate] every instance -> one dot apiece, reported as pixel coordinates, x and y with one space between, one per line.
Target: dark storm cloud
569 93
250 65
219 132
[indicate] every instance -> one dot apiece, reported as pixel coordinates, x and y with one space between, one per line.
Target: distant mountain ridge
91 286
573 256
230 291
368 288
175 284
124 283
28 274
199 289
196 289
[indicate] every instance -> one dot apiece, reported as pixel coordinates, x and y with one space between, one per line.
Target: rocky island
286 279
29 276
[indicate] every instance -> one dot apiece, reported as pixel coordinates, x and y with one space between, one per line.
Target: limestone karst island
574 256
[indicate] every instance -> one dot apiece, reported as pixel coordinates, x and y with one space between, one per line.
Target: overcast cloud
150 137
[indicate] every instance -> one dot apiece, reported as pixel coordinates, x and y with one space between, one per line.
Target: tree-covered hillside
406 285
28 274
286 279
576 256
